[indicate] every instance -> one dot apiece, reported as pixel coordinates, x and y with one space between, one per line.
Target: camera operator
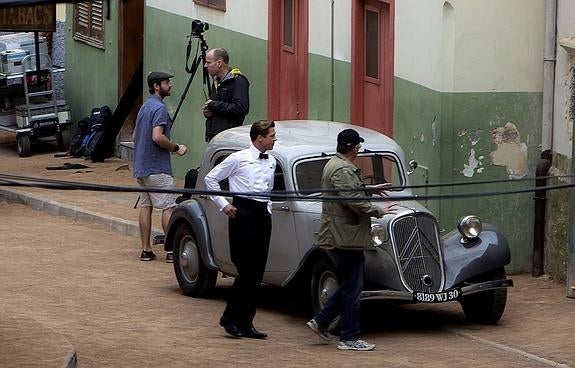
229 101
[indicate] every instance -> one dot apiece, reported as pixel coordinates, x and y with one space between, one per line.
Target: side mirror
412 167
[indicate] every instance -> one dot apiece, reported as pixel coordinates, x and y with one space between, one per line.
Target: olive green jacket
345 223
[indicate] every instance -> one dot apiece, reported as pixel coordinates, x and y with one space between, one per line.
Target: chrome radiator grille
418 252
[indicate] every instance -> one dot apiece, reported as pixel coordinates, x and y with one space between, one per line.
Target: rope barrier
306 195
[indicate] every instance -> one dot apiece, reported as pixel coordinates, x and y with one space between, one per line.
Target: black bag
78 137
189 183
101 115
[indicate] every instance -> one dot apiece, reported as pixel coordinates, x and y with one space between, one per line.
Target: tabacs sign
41 18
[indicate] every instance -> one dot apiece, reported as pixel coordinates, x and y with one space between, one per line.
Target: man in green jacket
345 229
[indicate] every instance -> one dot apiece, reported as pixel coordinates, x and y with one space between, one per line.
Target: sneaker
147 256
170 257
312 324
355 345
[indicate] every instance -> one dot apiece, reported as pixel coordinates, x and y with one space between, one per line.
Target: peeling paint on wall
570 103
474 137
510 152
472 165
434 131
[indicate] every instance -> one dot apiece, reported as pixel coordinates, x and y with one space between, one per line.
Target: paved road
86 283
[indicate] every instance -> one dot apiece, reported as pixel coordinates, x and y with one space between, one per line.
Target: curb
39 203
32 344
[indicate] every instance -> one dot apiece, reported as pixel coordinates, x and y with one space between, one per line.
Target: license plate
445 296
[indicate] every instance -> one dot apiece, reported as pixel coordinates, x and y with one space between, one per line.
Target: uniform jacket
345 224
230 103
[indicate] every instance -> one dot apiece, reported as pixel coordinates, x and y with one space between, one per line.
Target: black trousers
249 235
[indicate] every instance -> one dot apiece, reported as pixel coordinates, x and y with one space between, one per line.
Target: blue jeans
345 300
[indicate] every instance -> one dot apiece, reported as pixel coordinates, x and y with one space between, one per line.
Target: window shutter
97 20
89 22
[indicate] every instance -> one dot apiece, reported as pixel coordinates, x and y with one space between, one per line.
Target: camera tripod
198 60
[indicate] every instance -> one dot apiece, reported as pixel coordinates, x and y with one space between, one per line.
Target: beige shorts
161 201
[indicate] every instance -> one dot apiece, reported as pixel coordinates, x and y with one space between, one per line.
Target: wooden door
130 55
287 59
372 64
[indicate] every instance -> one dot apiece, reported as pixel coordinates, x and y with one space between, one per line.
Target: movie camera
197 31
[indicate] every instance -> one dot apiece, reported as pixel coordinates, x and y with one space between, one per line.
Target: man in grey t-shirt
152 165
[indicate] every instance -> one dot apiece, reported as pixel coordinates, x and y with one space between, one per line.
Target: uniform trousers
249 236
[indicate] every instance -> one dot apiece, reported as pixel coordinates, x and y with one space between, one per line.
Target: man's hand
379 189
390 208
230 211
182 151
207 112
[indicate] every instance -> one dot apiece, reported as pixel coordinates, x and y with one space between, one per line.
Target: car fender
311 256
463 261
192 213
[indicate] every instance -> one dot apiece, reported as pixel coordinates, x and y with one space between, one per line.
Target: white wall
320 28
498 44
562 128
244 16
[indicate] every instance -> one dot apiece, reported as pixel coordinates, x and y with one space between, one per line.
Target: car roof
296 138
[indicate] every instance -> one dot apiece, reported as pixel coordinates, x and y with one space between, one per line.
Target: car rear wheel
194 278
486 307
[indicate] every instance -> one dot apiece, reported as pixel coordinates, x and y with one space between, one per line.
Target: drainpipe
542 169
546 136
332 89
549 74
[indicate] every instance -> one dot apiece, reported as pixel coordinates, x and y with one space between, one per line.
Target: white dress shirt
246 173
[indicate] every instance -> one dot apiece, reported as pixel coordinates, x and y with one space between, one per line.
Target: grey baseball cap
154 77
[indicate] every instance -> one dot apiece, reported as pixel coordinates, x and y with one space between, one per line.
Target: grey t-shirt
149 158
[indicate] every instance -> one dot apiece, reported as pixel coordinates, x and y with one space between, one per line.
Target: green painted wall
464 121
319 89
558 214
91 76
165 49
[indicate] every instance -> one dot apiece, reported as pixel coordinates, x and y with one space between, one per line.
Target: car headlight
377 235
469 227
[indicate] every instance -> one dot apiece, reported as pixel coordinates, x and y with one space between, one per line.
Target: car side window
308 175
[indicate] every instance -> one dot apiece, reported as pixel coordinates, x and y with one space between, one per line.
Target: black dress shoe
252 333
233 330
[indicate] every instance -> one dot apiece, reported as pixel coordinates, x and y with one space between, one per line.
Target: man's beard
164 92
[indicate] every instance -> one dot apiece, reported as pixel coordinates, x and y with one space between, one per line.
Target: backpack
78 137
89 140
101 115
89 132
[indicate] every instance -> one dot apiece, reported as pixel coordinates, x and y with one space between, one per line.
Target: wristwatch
176 148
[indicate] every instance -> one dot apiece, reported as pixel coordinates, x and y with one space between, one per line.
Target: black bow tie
264 156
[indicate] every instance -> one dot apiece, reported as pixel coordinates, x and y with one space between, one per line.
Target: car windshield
375 168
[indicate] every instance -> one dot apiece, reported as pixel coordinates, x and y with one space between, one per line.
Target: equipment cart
40 115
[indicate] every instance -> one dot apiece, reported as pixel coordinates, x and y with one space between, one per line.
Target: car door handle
204 196
284 208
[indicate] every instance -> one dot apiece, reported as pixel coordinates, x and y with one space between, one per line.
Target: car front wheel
324 283
193 276
486 307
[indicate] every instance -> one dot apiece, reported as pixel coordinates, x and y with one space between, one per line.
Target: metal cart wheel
60 141
24 143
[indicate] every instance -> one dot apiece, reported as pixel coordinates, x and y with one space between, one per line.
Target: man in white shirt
249 224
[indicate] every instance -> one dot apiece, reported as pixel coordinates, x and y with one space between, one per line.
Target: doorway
372 64
130 55
288 59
